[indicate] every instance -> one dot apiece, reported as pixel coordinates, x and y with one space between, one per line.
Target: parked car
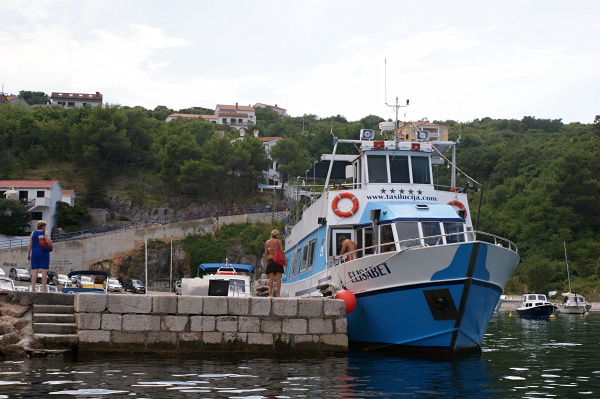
61 280
49 279
114 285
19 274
2 274
84 280
178 288
134 285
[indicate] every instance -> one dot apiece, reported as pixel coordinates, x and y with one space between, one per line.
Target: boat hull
537 312
440 297
575 309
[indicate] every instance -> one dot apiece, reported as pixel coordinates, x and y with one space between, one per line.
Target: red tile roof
27 183
67 192
235 107
76 96
194 116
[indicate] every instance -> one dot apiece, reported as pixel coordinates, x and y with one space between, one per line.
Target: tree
69 217
34 97
14 217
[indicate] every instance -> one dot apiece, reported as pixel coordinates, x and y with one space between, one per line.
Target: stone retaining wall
187 324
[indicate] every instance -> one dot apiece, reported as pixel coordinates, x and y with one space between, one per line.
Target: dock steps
55 326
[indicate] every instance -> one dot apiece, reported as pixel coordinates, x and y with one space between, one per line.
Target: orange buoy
348 297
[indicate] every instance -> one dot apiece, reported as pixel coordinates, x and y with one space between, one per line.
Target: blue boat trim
485 284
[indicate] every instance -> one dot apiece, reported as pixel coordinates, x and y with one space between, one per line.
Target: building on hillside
3 99
209 118
16 100
39 196
237 116
410 131
76 100
279 110
271 176
68 196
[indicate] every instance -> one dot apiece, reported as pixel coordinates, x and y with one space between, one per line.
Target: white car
114 285
84 280
2 274
62 280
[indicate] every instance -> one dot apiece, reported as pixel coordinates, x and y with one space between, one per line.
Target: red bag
279 257
46 246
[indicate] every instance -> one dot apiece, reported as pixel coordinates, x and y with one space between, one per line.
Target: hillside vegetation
539 178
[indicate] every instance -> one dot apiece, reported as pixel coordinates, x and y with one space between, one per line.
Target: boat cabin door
335 244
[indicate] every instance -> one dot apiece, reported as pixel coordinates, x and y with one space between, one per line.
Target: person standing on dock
39 258
273 269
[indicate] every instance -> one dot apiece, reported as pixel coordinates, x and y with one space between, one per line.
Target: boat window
399 169
377 169
408 234
433 231
307 256
387 236
454 228
294 266
420 170
237 286
364 239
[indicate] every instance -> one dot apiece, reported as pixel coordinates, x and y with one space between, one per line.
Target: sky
454 60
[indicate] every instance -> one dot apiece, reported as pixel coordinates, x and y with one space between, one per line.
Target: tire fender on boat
462 210
336 209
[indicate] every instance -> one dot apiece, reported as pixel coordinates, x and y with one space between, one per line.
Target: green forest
539 178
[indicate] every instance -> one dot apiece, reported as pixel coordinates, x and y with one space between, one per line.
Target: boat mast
395 106
568 274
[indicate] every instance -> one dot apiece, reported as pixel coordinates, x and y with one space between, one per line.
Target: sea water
520 358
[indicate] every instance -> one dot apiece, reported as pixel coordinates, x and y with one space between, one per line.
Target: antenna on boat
395 106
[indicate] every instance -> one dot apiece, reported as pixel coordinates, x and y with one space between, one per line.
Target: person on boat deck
273 269
348 251
40 259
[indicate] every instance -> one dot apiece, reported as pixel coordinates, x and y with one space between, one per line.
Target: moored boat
574 304
536 306
220 279
424 278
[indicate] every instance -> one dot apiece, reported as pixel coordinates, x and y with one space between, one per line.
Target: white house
76 100
39 196
237 116
279 110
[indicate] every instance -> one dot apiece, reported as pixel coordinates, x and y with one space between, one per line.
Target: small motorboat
574 304
536 306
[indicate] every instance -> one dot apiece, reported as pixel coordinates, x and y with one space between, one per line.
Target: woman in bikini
273 269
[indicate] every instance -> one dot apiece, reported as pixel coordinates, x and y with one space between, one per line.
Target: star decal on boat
419 192
392 191
401 191
411 191
383 191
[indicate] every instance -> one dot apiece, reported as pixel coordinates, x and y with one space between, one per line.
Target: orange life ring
347 214
462 211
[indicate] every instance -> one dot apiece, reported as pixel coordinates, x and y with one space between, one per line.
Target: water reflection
521 358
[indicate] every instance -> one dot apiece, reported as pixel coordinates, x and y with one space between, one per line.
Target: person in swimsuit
348 251
40 259
273 269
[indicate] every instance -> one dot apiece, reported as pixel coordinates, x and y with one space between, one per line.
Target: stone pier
189 324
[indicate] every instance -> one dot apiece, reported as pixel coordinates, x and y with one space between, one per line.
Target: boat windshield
398 169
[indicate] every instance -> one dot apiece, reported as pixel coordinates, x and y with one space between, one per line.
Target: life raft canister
336 209
462 211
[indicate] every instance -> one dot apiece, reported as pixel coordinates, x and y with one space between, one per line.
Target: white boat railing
469 236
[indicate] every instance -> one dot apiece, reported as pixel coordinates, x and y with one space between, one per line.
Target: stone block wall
188 324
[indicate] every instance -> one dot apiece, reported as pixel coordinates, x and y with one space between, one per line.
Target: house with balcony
209 118
76 100
281 111
237 116
39 196
410 131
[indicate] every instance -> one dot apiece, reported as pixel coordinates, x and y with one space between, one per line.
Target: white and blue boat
424 278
